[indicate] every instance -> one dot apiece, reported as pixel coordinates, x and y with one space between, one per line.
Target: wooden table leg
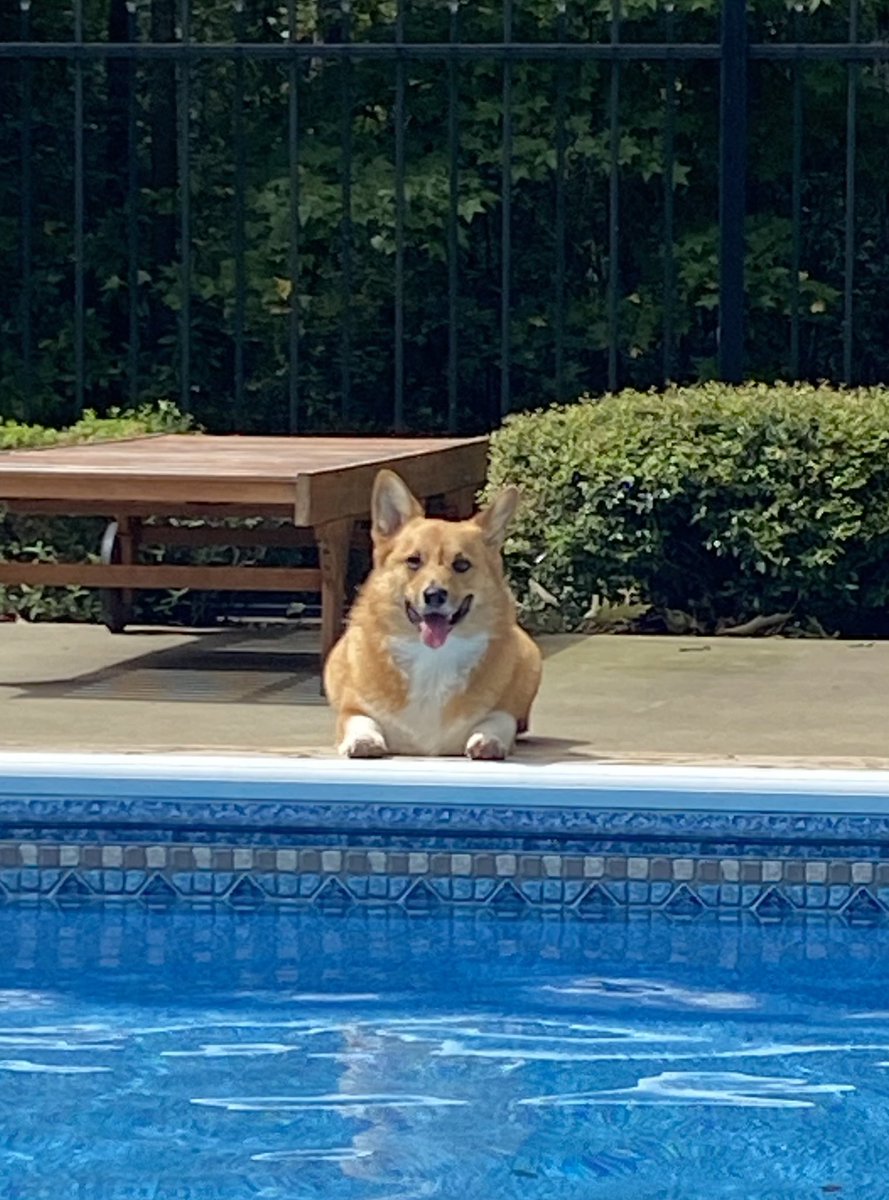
460 505
333 540
120 545
129 531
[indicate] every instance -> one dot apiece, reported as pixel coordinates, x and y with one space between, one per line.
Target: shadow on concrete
552 750
559 643
231 666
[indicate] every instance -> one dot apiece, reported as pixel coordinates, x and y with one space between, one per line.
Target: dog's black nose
435 597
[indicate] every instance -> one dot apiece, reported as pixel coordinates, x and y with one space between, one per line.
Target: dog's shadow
532 748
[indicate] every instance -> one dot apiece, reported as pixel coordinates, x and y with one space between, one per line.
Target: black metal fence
423 216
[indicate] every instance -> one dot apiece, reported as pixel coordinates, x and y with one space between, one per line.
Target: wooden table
320 486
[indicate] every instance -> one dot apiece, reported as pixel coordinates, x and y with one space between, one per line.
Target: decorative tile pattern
422 877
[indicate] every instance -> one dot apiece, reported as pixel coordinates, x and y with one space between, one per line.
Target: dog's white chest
434 677
437 673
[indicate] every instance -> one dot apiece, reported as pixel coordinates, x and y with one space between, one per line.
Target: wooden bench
319 486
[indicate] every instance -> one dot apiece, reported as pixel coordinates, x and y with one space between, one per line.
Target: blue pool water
310 1056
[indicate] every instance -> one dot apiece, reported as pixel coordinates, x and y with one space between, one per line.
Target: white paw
364 745
485 745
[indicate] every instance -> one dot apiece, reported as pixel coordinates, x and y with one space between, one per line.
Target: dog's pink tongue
434 630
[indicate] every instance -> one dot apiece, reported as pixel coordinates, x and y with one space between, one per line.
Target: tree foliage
368 309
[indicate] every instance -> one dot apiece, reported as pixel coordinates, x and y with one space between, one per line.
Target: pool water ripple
422 1057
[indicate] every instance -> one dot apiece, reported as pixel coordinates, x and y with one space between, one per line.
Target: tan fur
391 693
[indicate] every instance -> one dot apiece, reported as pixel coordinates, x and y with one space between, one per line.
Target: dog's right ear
392 505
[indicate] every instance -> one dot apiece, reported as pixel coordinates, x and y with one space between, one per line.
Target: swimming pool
216 1055
283 978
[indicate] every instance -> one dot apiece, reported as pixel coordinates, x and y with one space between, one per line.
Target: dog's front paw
485 746
365 745
361 737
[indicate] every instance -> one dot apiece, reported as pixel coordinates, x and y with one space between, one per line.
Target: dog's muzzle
433 624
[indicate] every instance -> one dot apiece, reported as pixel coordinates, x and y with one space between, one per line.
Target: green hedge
163 417
715 505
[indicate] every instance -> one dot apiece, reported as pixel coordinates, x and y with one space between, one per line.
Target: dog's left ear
392 505
494 519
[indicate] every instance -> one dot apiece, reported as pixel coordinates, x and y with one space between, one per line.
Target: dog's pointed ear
494 519
392 505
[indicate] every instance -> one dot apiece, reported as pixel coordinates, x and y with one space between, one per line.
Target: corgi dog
433 661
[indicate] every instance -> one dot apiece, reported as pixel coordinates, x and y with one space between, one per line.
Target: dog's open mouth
435 627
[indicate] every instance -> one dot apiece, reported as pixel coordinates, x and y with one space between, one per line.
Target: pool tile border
164 831
589 885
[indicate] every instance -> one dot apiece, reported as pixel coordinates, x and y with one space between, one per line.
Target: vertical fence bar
240 215
732 188
453 213
399 115
506 220
26 214
346 102
132 212
796 199
293 170
849 248
79 169
561 102
613 200
184 135
669 185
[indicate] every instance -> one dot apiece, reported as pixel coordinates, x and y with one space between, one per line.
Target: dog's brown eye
461 565
414 562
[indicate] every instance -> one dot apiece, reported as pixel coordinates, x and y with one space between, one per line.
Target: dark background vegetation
319 299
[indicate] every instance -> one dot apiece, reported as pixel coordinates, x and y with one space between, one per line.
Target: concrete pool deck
613 698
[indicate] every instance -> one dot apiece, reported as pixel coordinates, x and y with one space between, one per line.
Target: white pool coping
445 782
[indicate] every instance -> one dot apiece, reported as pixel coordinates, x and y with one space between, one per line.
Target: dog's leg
362 738
493 737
